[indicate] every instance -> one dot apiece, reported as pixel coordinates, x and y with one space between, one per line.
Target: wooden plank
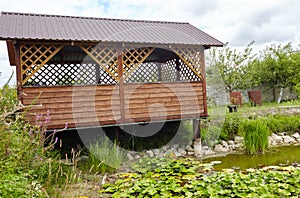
11 52
18 73
204 81
121 79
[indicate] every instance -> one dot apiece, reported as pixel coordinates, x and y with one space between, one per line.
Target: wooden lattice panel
168 71
146 72
34 56
105 56
191 56
64 74
134 57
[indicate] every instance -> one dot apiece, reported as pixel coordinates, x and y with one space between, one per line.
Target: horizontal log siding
83 106
160 101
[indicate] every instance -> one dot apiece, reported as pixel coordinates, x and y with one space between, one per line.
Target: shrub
231 126
256 133
27 166
283 123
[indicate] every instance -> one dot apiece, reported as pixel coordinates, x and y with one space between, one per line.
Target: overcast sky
235 21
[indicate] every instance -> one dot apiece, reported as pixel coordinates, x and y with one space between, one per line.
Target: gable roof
24 26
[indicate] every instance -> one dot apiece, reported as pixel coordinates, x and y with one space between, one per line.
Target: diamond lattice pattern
35 56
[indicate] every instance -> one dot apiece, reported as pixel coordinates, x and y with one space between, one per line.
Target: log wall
81 106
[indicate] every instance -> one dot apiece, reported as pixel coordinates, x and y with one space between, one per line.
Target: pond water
275 156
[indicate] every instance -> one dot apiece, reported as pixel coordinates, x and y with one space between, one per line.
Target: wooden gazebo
99 72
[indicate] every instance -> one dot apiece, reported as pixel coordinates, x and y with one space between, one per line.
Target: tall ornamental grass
256 133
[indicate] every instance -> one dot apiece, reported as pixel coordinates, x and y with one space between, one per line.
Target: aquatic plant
256 134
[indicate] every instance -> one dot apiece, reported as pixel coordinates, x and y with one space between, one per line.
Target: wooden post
158 71
204 81
177 69
121 81
19 72
97 71
196 129
197 138
117 133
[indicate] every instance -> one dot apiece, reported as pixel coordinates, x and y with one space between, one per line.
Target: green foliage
210 135
277 67
189 178
232 66
231 126
27 166
282 123
256 133
104 157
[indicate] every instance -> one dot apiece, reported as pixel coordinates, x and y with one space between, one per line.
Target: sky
237 22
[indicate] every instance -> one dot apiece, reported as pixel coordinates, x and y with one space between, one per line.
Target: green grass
256 133
105 156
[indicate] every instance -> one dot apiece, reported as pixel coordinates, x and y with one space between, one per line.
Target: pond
275 156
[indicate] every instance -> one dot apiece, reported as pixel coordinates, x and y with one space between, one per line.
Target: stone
175 146
177 154
198 148
298 140
150 153
296 135
190 152
281 134
215 162
169 153
231 142
205 147
224 143
156 152
220 148
231 147
276 139
189 149
238 139
181 151
288 139
137 157
130 157
208 152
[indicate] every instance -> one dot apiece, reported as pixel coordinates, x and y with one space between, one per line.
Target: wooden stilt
117 133
196 129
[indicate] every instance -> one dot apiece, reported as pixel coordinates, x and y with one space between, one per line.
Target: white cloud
236 22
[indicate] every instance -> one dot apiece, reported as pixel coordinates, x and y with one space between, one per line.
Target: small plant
104 157
256 134
210 135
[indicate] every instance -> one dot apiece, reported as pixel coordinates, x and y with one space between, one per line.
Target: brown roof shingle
70 28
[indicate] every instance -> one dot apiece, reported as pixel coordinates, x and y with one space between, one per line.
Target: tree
233 66
275 67
296 77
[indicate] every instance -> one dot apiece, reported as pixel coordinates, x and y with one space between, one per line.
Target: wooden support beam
11 52
177 69
158 71
204 80
18 72
196 129
121 81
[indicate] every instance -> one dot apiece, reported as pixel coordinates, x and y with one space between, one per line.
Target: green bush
27 166
256 133
283 123
231 126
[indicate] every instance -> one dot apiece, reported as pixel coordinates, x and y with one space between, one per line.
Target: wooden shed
98 72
